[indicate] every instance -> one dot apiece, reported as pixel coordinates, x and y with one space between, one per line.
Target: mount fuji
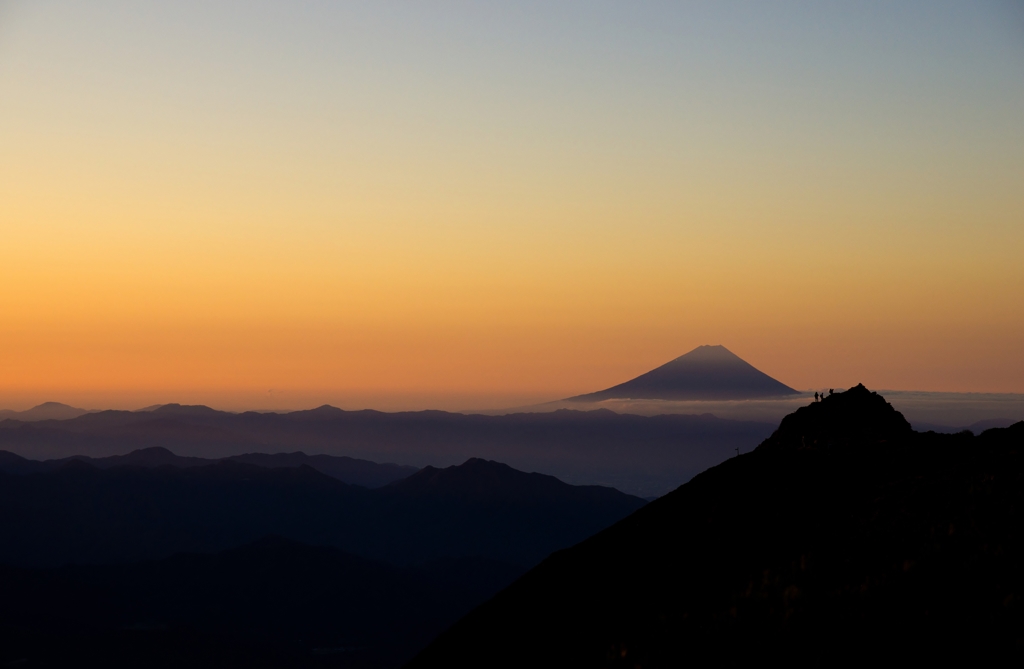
705 373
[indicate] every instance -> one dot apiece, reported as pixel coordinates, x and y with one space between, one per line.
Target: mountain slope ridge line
845 534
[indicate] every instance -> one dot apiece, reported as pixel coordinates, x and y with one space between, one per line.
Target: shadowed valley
235 564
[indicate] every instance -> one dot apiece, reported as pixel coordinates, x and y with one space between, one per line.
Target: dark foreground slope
273 603
844 535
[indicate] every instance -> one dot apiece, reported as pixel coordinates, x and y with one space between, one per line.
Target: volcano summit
705 373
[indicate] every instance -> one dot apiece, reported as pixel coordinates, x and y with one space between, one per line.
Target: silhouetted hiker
815 396
831 390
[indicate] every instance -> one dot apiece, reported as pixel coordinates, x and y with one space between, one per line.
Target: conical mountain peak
51 406
45 411
711 350
705 373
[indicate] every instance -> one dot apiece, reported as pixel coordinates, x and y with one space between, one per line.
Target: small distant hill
478 480
705 373
976 427
45 411
350 470
516 505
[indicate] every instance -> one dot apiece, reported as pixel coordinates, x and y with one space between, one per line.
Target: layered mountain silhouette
645 456
44 411
349 470
845 536
705 373
154 560
80 514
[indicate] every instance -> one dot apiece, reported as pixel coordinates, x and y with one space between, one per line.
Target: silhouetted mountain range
976 427
155 560
78 513
844 537
350 470
647 456
705 373
44 411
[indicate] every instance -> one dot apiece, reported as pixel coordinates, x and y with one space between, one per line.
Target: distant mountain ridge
79 513
641 455
348 470
479 479
705 373
44 411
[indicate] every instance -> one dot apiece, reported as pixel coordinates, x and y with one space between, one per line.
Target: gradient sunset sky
482 204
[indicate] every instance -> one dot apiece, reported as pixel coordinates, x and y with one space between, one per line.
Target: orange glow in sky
252 206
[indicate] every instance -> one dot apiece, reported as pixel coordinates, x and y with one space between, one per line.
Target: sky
457 205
